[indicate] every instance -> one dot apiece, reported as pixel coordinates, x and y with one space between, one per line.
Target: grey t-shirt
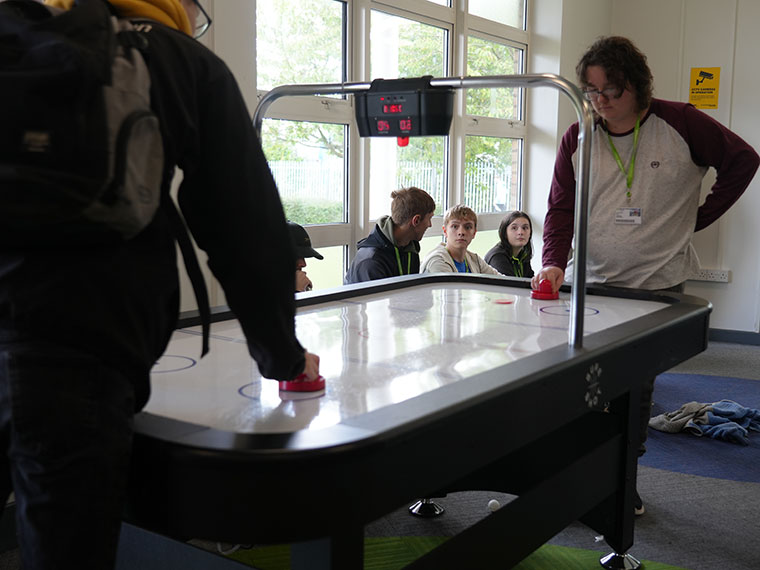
645 241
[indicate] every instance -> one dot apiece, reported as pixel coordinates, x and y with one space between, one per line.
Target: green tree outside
300 41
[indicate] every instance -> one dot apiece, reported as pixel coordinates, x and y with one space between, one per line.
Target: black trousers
647 389
66 437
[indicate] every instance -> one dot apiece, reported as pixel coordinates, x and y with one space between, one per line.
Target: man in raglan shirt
648 159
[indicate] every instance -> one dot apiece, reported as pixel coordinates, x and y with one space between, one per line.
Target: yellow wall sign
704 87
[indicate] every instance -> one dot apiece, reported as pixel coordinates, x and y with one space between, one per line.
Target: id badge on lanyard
628 216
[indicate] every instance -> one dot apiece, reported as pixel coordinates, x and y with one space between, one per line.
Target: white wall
582 22
232 38
739 229
542 107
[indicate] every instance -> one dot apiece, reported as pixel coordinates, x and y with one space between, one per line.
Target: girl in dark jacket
512 255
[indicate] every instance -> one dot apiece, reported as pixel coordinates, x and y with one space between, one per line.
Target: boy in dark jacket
393 248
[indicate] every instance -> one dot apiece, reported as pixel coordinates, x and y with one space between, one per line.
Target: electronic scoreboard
404 108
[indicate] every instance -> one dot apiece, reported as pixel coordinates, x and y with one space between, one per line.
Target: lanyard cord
517 266
628 175
408 262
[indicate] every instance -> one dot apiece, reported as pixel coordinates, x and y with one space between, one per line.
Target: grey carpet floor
697 523
724 359
693 522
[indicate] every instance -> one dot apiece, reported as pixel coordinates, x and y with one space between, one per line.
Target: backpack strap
138 38
133 39
181 234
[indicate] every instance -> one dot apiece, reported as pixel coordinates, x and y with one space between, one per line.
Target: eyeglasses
202 22
608 92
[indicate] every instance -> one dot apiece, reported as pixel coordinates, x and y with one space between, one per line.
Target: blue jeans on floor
65 436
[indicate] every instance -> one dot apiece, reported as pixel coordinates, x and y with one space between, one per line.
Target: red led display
383 126
393 108
405 124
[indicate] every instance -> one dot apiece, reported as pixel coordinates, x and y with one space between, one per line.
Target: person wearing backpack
82 323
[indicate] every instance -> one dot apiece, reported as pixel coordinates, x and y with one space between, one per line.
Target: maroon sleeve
559 222
712 144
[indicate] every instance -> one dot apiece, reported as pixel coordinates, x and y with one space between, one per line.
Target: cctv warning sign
704 87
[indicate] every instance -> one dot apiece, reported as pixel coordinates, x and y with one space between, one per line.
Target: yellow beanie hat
168 12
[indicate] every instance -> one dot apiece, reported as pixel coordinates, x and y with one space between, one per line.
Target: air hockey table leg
615 561
427 508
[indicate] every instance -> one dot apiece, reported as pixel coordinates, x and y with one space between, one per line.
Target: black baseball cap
302 242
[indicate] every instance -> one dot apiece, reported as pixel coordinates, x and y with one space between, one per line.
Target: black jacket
504 263
121 303
376 258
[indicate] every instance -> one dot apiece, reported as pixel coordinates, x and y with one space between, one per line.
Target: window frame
478 125
356 37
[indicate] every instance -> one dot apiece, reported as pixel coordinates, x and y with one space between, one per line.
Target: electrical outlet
716 275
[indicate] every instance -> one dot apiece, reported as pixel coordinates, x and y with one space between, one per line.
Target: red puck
544 291
300 384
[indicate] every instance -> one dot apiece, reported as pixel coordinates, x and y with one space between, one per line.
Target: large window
492 163
489 57
400 47
491 173
308 163
508 12
337 184
422 163
299 41
306 139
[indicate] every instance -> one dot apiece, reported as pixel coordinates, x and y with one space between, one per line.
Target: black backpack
81 155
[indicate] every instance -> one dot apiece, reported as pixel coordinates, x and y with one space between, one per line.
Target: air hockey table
434 383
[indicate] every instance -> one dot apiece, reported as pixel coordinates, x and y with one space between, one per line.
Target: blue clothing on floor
725 420
722 428
746 417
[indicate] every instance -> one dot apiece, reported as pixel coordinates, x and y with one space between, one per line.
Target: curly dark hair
623 64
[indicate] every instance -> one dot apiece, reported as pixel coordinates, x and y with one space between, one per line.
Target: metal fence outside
488 188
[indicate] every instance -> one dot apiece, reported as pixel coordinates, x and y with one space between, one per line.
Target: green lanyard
628 175
408 262
517 267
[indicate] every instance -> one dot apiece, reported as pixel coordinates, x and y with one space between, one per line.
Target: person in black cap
302 244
